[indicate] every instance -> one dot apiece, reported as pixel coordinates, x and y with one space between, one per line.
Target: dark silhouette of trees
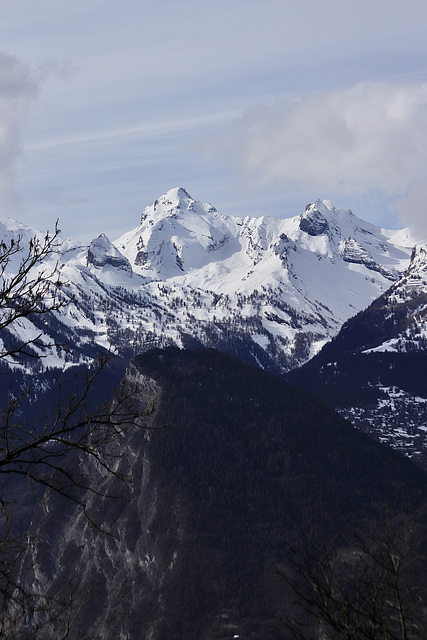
371 587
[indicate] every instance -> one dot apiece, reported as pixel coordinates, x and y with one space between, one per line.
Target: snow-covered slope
374 370
190 242
406 301
272 290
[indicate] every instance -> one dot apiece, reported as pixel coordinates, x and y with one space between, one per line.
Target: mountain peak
313 220
176 197
318 218
180 192
171 204
102 252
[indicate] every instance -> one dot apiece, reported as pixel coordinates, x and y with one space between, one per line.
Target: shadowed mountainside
242 463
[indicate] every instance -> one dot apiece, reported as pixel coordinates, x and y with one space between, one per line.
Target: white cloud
17 88
413 210
368 140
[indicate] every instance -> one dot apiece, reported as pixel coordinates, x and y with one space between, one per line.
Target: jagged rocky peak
102 252
418 257
416 273
313 221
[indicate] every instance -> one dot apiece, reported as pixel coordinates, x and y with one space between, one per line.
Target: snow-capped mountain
406 301
271 290
373 371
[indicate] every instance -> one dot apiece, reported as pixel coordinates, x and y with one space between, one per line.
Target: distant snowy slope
300 277
374 370
270 290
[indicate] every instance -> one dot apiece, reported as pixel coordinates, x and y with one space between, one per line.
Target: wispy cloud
139 131
17 88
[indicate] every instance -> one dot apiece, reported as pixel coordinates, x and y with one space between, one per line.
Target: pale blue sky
258 107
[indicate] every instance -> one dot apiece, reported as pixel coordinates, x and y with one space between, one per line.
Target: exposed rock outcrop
102 252
107 562
354 252
313 222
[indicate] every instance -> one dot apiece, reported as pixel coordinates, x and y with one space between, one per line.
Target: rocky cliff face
102 252
108 562
313 222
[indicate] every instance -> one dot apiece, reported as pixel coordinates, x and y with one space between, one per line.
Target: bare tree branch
46 447
365 589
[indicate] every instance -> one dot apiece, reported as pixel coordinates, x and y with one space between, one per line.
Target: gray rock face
355 253
313 222
102 252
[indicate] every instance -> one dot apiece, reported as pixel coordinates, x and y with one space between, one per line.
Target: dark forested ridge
352 379
241 466
244 420
257 463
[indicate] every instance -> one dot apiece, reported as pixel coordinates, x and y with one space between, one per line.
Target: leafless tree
29 285
40 451
372 587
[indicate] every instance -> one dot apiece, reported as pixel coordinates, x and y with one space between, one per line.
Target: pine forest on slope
238 468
